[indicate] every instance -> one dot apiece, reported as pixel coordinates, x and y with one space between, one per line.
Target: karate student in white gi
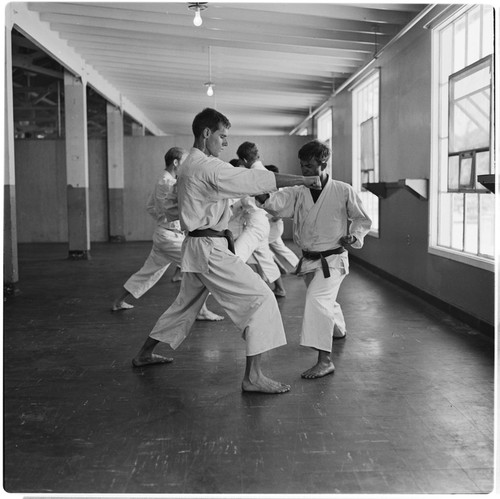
258 225
167 237
282 253
205 187
324 223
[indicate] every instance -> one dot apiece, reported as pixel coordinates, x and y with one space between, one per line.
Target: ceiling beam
328 9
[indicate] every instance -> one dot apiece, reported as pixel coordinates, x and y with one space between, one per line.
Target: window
365 133
324 127
462 209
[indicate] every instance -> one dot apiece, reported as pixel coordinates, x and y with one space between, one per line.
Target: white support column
10 261
77 167
116 179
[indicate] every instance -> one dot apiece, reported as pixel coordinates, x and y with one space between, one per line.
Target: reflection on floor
409 409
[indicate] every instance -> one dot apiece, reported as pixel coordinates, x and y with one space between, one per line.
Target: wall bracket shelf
417 186
488 181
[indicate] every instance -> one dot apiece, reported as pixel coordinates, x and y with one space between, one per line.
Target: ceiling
271 63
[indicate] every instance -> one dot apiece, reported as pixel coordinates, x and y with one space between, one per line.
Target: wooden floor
409 409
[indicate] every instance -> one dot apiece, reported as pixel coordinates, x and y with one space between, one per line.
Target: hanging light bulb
197 7
210 88
209 84
197 21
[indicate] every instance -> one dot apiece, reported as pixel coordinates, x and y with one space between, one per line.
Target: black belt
320 255
215 233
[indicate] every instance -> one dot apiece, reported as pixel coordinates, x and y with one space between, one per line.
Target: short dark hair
272 168
315 149
235 162
172 154
248 151
209 118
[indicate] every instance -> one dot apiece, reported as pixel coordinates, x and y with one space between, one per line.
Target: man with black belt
322 231
206 185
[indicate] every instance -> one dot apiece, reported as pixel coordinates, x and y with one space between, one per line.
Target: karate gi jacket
319 226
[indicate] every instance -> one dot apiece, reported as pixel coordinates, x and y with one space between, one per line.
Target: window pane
459 45
445 61
487 30
453 170
443 111
371 203
482 166
444 222
487 224
470 109
365 143
471 223
466 180
473 35
367 146
457 227
443 166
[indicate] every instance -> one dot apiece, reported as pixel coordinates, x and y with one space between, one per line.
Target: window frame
478 261
357 172
327 113
465 154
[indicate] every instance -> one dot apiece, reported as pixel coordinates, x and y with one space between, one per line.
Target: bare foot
264 385
319 370
123 305
153 359
207 315
279 293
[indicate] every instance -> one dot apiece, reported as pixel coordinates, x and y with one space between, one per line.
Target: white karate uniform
250 227
167 237
319 227
205 187
278 247
276 244
257 221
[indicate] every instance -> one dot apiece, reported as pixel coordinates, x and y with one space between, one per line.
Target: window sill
475 261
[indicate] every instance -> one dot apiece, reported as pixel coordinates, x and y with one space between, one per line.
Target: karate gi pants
322 312
166 250
278 247
244 296
252 247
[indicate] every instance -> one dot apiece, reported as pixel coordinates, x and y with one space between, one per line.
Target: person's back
162 202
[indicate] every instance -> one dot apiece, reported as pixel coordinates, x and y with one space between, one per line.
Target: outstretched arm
285 180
